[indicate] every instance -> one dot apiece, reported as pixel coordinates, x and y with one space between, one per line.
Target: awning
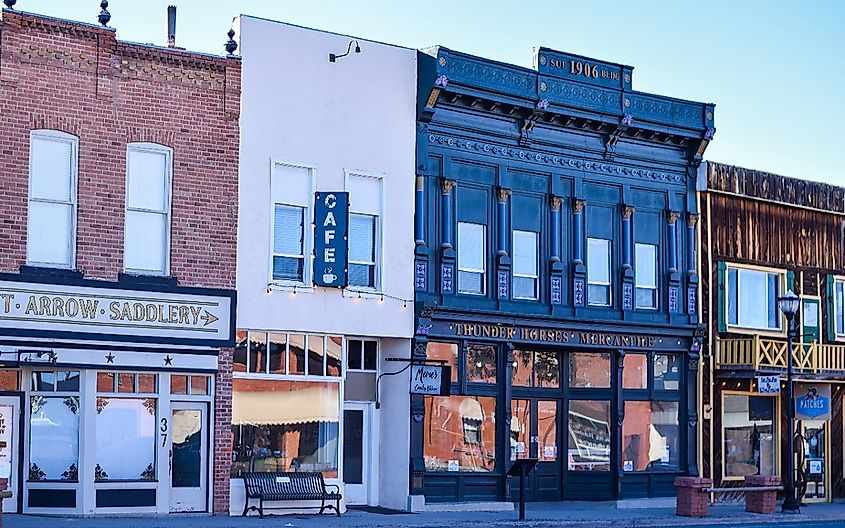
308 404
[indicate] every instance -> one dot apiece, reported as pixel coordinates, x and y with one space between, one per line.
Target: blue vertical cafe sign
331 226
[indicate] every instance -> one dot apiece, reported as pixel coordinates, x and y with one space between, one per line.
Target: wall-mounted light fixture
333 57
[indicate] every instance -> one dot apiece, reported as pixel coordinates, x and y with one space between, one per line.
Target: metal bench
289 486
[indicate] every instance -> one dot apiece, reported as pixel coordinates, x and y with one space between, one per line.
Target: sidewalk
539 515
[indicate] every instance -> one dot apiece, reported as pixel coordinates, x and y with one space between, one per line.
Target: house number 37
163 430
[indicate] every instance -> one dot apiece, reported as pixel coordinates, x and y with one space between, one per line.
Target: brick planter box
761 501
692 501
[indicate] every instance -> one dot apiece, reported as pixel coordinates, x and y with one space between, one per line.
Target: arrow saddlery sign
115 314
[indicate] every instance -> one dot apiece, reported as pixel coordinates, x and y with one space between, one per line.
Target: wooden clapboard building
763 234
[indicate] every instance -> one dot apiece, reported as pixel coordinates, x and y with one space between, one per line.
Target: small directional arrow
208 317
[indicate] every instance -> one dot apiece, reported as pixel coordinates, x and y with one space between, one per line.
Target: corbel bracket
613 137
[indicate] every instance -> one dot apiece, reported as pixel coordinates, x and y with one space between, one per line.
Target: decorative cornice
578 206
612 169
503 194
672 217
446 186
627 212
555 202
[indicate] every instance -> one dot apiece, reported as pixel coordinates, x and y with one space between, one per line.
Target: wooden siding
774 188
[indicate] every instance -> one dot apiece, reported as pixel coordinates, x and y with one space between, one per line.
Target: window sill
46 271
128 277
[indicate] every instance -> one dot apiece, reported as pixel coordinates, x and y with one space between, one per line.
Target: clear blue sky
774 68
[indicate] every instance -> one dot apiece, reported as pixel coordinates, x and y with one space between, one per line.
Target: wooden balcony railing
768 354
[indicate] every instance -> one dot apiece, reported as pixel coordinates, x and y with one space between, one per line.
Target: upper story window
361 354
472 252
365 197
598 272
646 276
839 307
525 265
291 189
752 298
147 232
51 229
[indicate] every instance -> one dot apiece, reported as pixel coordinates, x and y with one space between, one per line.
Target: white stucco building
308 357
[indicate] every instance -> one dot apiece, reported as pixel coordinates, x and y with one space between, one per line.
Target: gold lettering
32 306
127 312
72 307
88 308
7 301
650 342
44 305
172 313
59 306
183 316
195 311
151 312
542 335
511 332
626 340
114 310
485 330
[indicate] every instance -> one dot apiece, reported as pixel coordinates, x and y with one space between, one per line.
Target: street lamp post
788 304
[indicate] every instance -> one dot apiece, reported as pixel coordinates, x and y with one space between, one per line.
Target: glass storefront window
520 435
651 436
315 356
635 371
9 380
239 357
296 354
125 435
481 364
278 353
334 355
178 384
546 369
523 367
460 433
749 437
589 435
258 352
54 438
667 372
547 430
280 425
447 352
589 370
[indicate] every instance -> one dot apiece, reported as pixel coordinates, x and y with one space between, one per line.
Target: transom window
51 231
291 354
472 251
147 233
361 354
525 265
645 292
752 298
598 272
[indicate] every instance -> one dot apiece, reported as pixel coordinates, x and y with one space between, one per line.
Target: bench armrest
335 486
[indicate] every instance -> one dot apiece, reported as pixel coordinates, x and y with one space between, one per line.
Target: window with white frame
361 354
525 264
753 298
645 280
598 272
839 306
365 204
51 229
291 190
148 184
471 258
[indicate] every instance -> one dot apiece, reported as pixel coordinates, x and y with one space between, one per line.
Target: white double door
359 464
10 449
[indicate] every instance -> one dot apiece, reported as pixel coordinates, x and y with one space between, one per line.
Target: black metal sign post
521 468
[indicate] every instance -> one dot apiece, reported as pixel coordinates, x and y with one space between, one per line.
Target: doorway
10 449
534 433
814 460
189 457
357 455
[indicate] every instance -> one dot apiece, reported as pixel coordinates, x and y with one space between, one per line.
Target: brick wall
77 78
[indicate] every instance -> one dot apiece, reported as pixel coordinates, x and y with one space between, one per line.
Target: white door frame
14 424
203 504
370 455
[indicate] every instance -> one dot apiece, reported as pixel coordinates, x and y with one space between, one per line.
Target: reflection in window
278 353
589 435
752 298
635 371
667 372
520 428
522 374
54 438
239 357
589 369
460 433
547 430
481 363
651 436
749 438
284 426
447 352
258 352
535 369
334 355
125 432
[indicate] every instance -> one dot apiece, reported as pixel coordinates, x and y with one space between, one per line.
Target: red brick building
118 223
